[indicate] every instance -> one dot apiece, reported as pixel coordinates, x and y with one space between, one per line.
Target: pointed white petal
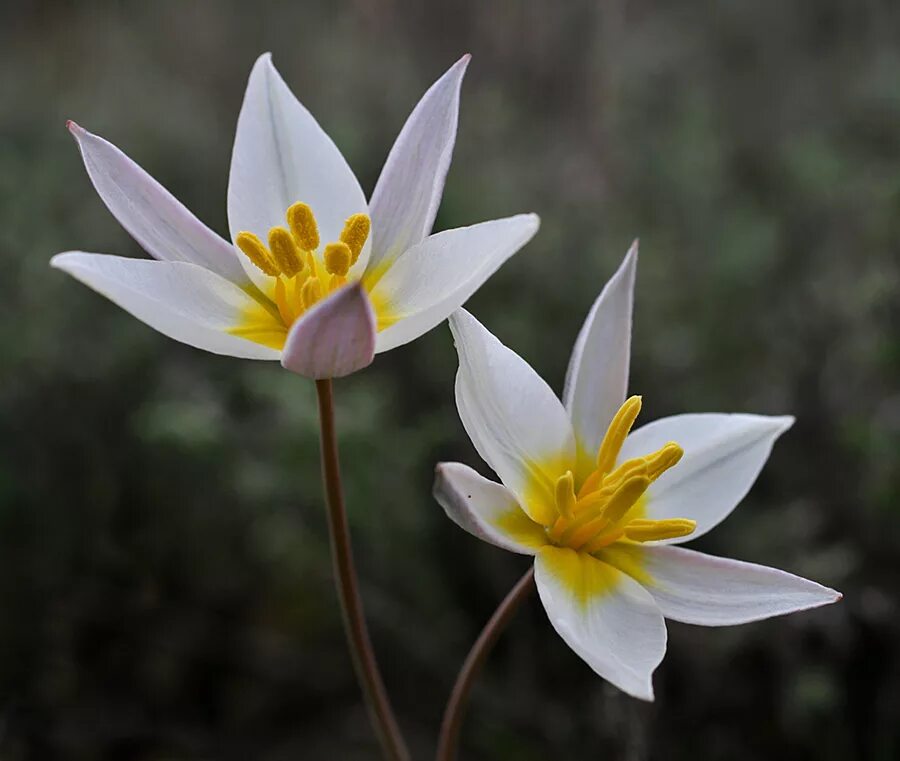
157 220
281 156
604 615
180 300
514 419
334 338
439 275
598 370
408 192
703 589
486 509
723 455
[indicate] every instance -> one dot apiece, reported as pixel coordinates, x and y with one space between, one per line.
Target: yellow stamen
311 292
664 458
651 531
616 433
336 282
284 309
338 258
355 233
565 494
590 523
284 251
303 226
257 253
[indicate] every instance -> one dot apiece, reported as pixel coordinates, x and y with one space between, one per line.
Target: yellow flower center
302 275
608 506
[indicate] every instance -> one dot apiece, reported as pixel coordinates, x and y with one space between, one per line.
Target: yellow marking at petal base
303 225
355 233
285 252
281 301
539 490
628 558
652 531
618 429
520 528
338 258
584 577
256 252
262 324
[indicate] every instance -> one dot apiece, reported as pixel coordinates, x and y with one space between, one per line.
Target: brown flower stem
380 711
453 713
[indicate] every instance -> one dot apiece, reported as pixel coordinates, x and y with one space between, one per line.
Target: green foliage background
164 574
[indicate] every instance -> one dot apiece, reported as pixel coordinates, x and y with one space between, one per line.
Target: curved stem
453 713
377 701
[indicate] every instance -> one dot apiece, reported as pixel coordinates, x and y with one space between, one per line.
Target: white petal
439 275
597 378
604 615
281 156
180 300
703 589
334 338
486 509
514 419
723 455
157 220
408 192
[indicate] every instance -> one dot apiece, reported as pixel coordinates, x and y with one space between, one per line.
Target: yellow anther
636 466
311 292
616 433
663 459
355 233
257 253
624 498
338 258
285 251
303 226
608 511
565 494
652 531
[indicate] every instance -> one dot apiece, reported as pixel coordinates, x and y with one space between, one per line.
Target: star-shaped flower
313 275
602 509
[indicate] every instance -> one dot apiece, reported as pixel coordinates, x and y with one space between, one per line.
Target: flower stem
380 711
453 713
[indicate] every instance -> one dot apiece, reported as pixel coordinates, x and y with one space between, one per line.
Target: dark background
165 589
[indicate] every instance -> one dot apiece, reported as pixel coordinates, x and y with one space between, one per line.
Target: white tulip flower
601 508
313 276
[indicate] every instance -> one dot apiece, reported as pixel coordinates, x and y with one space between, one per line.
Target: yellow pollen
355 232
284 251
338 258
618 429
565 495
256 252
605 509
303 226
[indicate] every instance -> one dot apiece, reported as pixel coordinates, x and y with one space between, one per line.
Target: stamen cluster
603 509
301 277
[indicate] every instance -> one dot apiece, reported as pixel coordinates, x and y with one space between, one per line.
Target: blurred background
165 587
